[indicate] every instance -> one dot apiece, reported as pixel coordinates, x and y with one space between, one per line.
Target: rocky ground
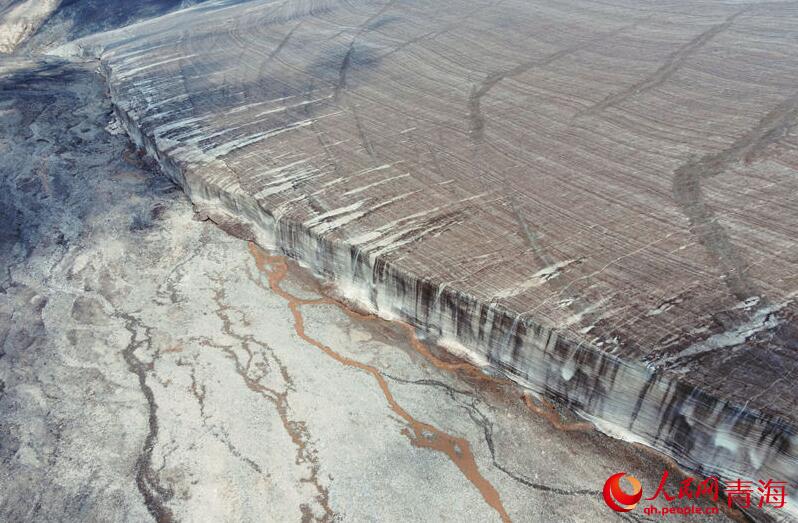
153 366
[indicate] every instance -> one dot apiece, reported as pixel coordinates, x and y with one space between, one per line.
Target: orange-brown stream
547 411
421 434
469 370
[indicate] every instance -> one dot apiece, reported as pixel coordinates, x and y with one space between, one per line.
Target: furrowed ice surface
595 199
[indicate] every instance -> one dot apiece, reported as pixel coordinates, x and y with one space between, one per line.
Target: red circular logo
616 498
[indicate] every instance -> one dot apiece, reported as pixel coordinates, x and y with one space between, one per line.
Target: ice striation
595 200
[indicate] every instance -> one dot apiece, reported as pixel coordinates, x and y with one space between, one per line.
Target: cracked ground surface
153 366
